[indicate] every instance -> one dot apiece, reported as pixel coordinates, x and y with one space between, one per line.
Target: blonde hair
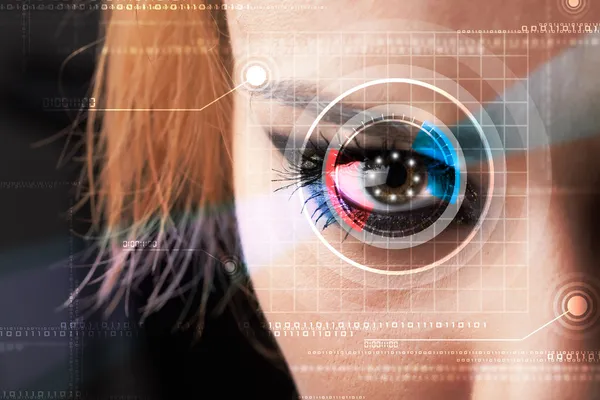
159 165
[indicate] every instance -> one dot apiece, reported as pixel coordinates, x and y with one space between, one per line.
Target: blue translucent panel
433 143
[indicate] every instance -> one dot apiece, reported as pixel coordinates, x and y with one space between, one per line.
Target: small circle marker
573 3
256 76
230 267
577 306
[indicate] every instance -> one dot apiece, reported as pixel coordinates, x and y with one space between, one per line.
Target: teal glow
433 143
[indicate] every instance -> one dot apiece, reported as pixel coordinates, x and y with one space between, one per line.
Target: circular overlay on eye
396 179
577 298
412 191
497 206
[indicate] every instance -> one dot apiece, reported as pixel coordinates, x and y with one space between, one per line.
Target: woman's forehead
326 45
336 15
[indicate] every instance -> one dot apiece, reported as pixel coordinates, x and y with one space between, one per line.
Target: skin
287 263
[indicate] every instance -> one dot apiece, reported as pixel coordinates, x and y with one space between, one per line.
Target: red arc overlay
357 221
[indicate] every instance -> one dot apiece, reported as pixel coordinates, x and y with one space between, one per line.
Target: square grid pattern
486 68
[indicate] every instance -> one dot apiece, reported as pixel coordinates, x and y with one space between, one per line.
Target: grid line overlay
469 283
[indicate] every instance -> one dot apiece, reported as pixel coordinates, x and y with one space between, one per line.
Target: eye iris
405 178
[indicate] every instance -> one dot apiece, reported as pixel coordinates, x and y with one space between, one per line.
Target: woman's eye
393 181
389 182
392 178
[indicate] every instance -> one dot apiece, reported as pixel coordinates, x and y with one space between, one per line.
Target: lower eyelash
317 193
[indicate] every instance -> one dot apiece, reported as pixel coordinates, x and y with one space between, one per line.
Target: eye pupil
396 175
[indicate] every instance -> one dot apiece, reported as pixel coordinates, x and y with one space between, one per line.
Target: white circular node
411 162
256 75
410 193
230 267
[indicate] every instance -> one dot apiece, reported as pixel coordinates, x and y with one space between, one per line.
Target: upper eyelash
304 173
307 173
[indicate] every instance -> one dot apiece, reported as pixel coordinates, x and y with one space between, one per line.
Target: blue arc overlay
433 143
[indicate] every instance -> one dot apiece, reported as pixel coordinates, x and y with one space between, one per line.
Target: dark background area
149 361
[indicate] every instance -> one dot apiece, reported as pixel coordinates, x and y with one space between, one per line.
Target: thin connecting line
162 109
471 340
546 324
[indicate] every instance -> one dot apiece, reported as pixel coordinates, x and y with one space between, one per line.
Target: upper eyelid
322 150
466 134
319 151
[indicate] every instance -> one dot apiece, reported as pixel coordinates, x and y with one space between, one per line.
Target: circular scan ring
488 153
580 324
574 8
440 141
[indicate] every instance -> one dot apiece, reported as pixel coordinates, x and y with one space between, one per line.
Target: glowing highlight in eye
395 156
378 160
410 193
393 197
416 178
411 162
